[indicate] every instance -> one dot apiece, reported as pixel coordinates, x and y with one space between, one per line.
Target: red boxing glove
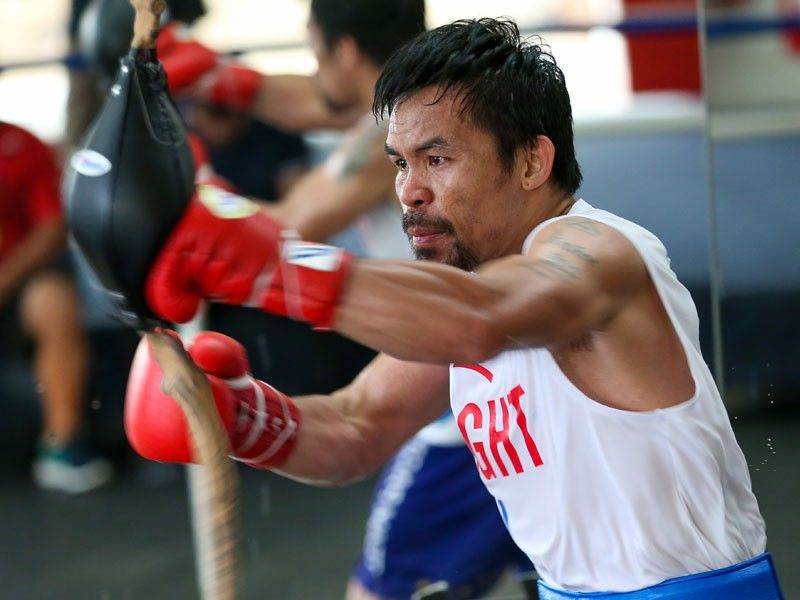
308 283
261 422
195 70
226 249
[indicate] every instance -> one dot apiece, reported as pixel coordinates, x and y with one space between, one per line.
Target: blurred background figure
260 160
99 34
39 306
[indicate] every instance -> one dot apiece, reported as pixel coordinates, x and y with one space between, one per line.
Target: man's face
332 76
458 203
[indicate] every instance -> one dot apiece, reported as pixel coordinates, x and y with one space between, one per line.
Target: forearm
419 311
293 103
320 205
36 251
331 448
350 434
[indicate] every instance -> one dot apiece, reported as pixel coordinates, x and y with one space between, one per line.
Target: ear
537 162
348 54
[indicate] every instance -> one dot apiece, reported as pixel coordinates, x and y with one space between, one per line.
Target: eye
435 161
400 163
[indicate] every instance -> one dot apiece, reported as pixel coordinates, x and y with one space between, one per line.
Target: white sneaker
71 469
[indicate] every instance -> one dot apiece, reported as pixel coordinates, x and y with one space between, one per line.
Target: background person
39 306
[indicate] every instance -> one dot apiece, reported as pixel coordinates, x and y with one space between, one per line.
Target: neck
365 88
563 206
555 205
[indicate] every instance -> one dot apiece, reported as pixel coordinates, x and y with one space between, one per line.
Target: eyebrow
434 142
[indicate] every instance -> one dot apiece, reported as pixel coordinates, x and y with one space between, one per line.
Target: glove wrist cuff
309 282
266 429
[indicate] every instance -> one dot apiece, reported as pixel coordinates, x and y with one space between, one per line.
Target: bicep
327 200
350 434
575 278
392 399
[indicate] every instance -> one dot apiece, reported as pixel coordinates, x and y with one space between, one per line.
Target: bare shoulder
577 276
360 151
575 247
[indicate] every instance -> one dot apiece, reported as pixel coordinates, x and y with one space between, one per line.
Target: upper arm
392 399
576 277
350 434
354 178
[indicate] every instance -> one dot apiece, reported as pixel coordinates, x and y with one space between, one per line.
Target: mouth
423 237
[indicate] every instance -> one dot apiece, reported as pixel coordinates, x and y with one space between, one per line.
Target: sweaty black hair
378 26
508 86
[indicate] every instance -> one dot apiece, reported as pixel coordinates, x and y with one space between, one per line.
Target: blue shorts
432 519
753 579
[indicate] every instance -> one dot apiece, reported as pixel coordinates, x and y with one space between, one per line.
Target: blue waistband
753 579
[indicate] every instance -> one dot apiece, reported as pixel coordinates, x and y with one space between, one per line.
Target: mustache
414 219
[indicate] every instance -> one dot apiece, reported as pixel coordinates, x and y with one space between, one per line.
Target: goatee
459 255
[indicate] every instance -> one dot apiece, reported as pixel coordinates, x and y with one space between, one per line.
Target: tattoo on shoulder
555 265
574 249
583 225
356 153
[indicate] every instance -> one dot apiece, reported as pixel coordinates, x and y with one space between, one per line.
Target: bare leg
51 316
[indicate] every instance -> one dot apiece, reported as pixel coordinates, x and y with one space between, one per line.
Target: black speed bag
129 183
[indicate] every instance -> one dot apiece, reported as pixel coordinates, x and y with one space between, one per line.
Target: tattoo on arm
573 249
356 154
584 226
555 265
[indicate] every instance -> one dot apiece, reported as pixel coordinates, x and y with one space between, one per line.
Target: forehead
418 117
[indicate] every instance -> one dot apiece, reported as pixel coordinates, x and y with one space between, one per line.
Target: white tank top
599 498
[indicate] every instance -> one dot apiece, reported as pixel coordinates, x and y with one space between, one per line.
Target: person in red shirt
39 304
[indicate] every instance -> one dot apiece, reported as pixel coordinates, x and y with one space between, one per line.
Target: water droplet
265 500
255 548
263 351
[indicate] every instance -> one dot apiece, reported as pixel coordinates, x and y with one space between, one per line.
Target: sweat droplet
265 500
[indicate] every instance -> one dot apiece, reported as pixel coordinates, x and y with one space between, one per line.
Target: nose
413 190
